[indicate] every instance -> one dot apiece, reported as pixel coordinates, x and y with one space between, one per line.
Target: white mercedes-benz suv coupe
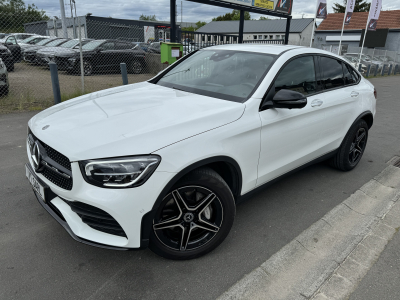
162 163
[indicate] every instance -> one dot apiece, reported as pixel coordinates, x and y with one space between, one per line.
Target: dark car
154 48
46 54
11 43
7 57
30 53
141 45
103 55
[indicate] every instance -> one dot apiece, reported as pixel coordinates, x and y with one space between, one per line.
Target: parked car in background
7 58
142 45
354 62
4 83
365 61
47 54
22 36
163 163
103 55
3 35
11 43
30 53
154 48
32 40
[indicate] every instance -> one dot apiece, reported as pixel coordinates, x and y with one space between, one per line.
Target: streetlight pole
80 50
64 25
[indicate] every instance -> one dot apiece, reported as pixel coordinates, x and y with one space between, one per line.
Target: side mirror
289 99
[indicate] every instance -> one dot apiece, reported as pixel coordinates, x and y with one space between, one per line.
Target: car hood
129 120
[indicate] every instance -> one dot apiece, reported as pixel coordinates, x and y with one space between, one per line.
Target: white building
274 29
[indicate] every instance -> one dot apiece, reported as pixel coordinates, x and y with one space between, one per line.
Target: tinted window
350 76
298 75
107 46
121 46
332 73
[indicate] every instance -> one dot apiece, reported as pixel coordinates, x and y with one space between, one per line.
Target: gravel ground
30 86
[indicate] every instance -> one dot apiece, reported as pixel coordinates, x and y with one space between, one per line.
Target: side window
12 40
350 76
332 73
107 46
298 75
122 46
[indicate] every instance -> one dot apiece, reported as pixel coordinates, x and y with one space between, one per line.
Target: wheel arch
225 166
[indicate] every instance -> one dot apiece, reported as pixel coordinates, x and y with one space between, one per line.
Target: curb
327 260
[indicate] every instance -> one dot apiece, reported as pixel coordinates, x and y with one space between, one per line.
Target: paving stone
337 287
390 177
352 270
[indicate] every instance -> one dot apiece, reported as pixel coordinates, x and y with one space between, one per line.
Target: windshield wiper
177 73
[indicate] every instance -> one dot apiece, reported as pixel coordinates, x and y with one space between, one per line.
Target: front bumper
131 208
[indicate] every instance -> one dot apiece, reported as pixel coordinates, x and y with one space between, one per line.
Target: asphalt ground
39 260
382 281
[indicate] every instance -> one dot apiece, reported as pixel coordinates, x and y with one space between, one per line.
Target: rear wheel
87 68
194 218
352 148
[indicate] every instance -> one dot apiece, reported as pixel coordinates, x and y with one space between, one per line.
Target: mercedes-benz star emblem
36 158
45 127
188 217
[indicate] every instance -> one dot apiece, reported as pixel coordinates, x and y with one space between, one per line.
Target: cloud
192 12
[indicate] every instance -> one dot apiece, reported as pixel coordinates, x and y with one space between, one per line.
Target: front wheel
194 217
136 67
352 148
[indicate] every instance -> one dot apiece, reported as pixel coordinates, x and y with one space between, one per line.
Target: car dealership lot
38 259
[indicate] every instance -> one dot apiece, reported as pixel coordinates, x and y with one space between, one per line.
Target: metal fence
90 48
372 62
89 52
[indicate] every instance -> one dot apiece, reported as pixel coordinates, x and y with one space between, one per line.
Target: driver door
292 137
12 45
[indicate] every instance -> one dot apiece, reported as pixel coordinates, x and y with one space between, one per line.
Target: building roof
387 19
257 26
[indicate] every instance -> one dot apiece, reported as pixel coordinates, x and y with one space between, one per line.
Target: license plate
35 183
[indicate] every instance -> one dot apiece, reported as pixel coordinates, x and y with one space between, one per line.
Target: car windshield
29 39
55 43
92 45
224 74
70 44
42 42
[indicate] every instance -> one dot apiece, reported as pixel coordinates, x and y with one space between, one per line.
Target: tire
87 68
352 148
136 67
4 90
203 218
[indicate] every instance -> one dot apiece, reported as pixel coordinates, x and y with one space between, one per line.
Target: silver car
4 83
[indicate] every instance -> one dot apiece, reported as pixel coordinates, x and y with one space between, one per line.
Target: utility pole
64 25
73 20
181 13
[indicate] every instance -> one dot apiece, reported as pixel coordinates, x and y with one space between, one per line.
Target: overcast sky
192 12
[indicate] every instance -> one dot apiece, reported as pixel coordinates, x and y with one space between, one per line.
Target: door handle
355 94
316 103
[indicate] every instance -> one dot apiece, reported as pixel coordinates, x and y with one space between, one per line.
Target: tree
200 24
234 15
15 13
360 6
263 18
148 18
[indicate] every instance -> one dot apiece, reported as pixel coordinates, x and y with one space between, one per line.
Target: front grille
50 174
57 156
57 179
96 218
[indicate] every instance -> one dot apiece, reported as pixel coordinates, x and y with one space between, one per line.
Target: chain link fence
88 54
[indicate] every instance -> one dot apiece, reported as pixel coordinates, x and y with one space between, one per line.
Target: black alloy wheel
194 217
136 67
87 68
357 146
353 146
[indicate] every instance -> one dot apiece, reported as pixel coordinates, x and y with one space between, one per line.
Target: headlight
125 172
1 64
8 51
72 60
